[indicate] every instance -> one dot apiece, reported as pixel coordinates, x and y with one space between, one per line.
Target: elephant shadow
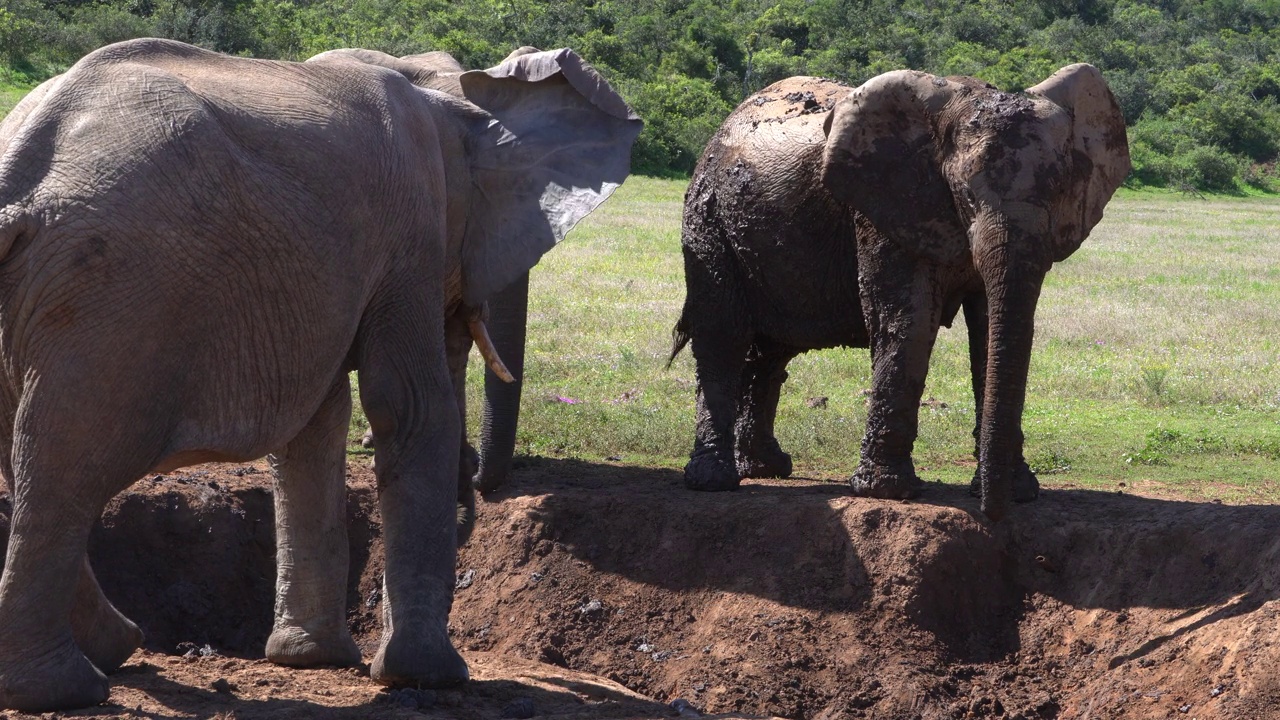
479 698
935 563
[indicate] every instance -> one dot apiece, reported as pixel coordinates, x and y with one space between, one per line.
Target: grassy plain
10 94
1155 368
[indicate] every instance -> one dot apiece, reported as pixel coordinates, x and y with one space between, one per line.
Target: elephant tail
679 338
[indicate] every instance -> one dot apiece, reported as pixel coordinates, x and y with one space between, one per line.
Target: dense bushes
1198 80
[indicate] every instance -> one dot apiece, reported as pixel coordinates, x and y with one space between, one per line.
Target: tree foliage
1198 80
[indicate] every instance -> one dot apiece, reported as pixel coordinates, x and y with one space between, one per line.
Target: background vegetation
1199 80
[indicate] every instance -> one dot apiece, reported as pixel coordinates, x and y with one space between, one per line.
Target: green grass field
1155 364
10 95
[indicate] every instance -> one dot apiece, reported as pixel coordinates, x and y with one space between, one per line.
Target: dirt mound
786 598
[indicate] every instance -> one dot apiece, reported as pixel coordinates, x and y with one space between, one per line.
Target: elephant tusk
480 334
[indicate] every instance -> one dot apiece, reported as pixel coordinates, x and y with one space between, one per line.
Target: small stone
519 709
591 607
684 708
465 580
221 685
1185 708
1216 691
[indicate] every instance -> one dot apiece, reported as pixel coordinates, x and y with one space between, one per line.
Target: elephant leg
719 361
758 453
900 302
715 321
458 346
408 395
102 633
311 540
508 320
58 494
1026 487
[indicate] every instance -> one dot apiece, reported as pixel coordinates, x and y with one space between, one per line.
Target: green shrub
92 26
681 114
1209 168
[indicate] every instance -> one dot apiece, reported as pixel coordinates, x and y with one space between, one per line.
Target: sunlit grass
10 95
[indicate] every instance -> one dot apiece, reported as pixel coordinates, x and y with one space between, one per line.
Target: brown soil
593 590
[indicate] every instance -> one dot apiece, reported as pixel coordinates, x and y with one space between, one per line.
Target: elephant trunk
1012 283
508 315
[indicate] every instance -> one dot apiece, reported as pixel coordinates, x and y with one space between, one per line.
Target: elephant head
964 177
589 167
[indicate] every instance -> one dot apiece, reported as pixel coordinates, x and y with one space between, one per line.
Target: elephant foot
62 679
891 482
765 460
487 479
1026 486
295 647
707 472
107 638
422 664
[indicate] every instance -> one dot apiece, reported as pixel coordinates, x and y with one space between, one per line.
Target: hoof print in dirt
411 698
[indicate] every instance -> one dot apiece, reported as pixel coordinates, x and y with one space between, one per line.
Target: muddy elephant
823 216
196 251
508 308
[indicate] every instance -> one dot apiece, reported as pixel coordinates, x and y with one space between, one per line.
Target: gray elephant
197 249
823 216
508 307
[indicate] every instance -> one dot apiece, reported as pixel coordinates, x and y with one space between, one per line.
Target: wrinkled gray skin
822 216
508 308
197 249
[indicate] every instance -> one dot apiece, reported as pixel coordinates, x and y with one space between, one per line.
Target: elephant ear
882 158
1100 150
555 143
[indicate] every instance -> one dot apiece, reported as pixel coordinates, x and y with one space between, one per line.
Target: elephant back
788 111
769 136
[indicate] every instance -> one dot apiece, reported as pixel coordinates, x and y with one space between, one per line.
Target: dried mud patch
593 590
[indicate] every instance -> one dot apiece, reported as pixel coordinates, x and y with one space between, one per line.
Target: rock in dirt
521 708
412 698
684 708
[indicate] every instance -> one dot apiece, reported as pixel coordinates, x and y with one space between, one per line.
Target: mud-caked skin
196 252
823 216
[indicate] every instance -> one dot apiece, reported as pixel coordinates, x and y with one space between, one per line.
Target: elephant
508 308
196 250
821 215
